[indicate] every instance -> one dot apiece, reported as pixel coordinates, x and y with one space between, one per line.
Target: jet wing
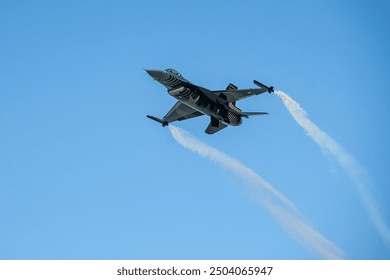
180 112
233 94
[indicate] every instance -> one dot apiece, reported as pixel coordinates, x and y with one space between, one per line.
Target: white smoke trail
354 170
278 205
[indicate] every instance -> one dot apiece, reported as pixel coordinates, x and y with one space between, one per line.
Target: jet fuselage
194 97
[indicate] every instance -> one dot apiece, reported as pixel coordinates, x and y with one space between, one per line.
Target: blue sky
85 175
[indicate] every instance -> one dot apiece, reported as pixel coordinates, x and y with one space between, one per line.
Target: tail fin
214 126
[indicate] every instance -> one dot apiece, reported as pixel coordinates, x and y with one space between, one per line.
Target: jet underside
195 101
193 97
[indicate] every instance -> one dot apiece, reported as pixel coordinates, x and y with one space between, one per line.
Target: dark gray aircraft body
194 101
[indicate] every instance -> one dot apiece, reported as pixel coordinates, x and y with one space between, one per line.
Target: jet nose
158 74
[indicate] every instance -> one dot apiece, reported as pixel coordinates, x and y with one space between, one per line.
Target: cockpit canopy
173 71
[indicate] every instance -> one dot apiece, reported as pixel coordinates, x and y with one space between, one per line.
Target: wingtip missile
163 123
270 89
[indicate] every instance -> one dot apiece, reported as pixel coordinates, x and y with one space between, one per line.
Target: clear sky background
85 175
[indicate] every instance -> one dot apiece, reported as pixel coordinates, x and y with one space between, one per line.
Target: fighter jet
194 101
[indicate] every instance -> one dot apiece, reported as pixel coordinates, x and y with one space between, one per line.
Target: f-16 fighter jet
194 101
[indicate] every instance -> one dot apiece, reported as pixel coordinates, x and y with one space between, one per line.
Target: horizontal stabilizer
231 87
247 114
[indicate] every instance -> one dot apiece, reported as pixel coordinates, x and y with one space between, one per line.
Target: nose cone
158 75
